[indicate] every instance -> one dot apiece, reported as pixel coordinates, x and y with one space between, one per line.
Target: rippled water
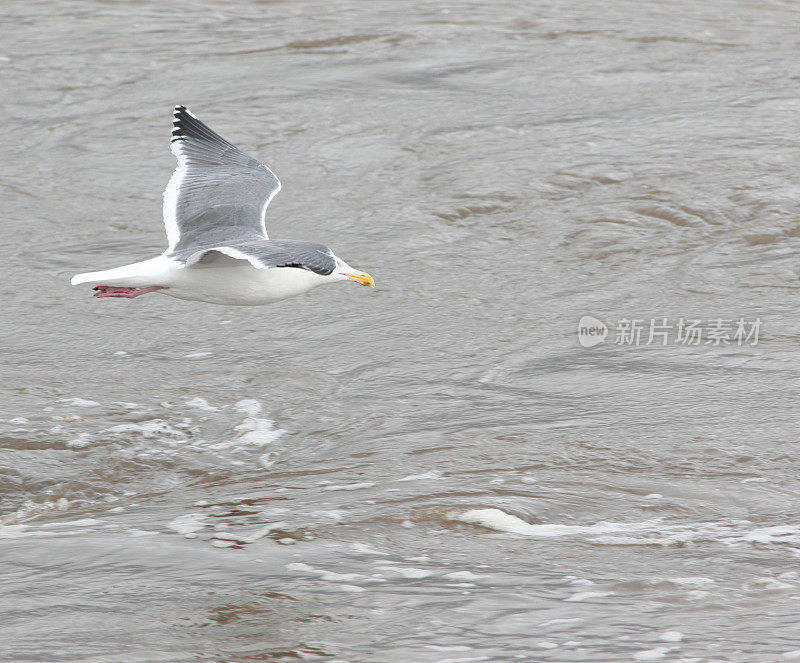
434 471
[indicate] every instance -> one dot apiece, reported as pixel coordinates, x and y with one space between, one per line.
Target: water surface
435 470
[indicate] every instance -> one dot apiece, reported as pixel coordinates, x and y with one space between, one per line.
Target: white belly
241 284
223 281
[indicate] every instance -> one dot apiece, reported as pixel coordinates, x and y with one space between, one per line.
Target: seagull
215 207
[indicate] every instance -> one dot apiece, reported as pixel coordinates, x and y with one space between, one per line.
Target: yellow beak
363 278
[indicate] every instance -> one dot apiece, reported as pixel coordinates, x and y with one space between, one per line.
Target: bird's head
347 273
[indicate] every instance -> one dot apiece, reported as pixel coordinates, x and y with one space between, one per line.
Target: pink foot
128 293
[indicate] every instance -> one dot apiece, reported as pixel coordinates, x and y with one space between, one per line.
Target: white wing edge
170 207
228 251
268 201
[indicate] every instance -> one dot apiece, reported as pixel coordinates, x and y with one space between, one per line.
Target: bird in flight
214 212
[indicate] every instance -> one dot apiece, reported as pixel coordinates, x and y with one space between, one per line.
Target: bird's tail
136 275
89 277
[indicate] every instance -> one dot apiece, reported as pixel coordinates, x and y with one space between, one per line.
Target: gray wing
265 254
217 194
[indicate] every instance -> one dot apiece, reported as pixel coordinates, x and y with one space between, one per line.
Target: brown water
435 471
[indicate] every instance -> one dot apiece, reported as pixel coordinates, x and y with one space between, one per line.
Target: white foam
258 432
333 514
136 533
582 596
30 508
201 404
83 440
671 636
351 486
406 571
330 576
648 532
266 460
433 474
366 549
771 534
248 406
188 523
652 654
253 432
504 522
198 355
563 620
60 529
79 402
147 429
250 537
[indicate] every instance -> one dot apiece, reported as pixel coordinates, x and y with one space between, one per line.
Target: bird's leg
119 291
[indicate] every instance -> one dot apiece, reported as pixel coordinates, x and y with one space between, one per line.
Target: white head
343 272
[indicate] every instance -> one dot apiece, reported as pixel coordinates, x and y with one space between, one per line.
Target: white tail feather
155 271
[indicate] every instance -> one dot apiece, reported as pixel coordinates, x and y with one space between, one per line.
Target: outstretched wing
217 194
266 254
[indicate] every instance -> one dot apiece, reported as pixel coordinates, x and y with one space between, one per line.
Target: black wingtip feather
179 113
194 142
186 125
